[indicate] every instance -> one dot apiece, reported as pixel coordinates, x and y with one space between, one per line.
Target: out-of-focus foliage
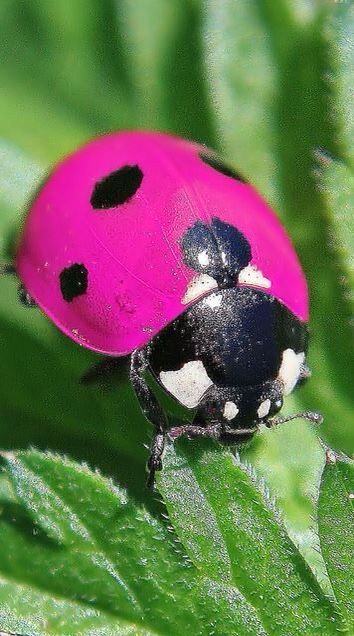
269 85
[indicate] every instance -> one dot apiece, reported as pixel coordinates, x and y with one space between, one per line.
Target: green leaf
269 68
243 81
62 76
165 60
336 524
337 177
338 29
78 556
231 530
258 74
338 184
290 459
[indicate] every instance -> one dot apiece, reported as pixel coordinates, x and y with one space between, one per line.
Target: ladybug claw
154 463
153 466
9 268
175 432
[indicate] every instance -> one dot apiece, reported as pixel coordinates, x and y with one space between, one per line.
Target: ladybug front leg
192 430
152 411
104 370
9 268
24 297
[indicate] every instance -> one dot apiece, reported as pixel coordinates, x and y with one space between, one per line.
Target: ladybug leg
9 268
151 409
25 298
214 431
103 369
155 460
310 416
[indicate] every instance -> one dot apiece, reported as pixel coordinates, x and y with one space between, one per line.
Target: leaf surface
230 529
83 557
336 525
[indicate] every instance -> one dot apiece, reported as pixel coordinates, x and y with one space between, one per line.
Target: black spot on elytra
73 281
215 162
117 188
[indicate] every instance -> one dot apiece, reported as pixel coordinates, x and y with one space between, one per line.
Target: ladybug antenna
7 269
310 416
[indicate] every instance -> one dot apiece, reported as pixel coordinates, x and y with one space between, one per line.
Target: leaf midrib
245 596
231 581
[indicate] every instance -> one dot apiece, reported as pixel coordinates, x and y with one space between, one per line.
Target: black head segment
239 411
217 249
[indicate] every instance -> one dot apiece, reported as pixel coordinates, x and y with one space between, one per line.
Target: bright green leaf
290 459
336 524
78 556
231 530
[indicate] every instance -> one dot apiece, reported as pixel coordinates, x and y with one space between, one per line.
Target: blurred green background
257 81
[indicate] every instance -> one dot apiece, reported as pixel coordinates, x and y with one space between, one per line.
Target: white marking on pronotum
213 301
188 384
251 275
198 286
203 258
264 409
290 369
230 410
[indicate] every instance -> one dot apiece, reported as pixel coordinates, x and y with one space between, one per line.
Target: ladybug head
241 408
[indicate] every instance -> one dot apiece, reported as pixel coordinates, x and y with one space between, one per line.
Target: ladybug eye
117 188
215 162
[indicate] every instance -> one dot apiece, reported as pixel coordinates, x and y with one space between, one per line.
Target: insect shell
145 245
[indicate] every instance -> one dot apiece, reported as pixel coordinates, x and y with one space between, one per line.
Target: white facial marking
188 384
203 258
198 286
251 275
230 410
264 409
223 258
213 301
290 369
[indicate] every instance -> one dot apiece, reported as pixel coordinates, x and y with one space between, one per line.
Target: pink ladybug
147 245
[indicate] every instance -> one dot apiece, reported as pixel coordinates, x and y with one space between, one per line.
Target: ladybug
145 245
